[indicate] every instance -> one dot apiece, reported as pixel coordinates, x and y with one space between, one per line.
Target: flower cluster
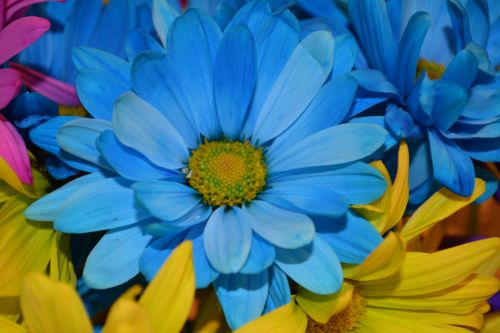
292 160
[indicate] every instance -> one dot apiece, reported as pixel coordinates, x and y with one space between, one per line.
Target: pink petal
13 151
58 91
10 83
19 34
13 6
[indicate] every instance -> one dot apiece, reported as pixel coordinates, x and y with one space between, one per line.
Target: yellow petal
9 177
400 188
61 266
24 246
491 323
322 307
126 316
7 326
286 319
10 308
54 307
384 261
423 273
439 206
172 289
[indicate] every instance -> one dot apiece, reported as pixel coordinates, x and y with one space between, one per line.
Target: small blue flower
229 139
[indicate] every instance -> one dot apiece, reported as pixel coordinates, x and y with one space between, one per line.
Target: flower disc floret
227 172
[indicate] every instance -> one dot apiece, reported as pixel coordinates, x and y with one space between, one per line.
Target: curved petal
260 257
164 15
10 84
286 319
14 152
279 290
227 239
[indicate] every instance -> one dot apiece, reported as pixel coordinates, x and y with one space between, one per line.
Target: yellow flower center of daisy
434 70
227 172
344 321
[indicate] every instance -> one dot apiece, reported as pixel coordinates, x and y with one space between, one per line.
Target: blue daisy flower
226 138
430 71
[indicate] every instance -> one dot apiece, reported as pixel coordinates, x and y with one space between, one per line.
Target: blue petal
100 205
329 107
140 126
200 213
242 296
333 146
401 124
409 50
280 227
98 91
44 135
374 81
279 290
234 79
479 19
295 87
372 25
420 172
58 169
47 207
163 16
157 252
462 70
460 23
323 8
351 237
92 58
360 183
485 150
390 140
227 238
491 184
193 40
166 200
482 106
127 162
138 41
346 52
261 256
311 200
306 264
452 166
153 78
79 136
449 103
115 258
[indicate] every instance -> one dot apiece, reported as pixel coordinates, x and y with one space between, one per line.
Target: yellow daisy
49 306
398 291
26 246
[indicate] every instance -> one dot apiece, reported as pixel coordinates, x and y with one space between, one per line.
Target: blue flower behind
226 138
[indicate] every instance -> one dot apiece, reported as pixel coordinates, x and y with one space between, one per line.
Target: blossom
217 142
163 306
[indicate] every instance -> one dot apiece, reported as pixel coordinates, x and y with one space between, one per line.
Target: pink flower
13 151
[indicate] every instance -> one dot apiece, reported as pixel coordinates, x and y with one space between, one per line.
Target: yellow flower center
434 70
227 172
344 321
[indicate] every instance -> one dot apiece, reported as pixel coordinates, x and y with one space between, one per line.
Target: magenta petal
10 83
13 151
58 91
19 34
13 6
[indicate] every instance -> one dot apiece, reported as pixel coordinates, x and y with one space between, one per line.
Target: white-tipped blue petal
100 205
78 138
278 226
163 17
295 87
140 126
115 258
279 290
227 238
328 108
242 296
314 267
47 207
126 161
360 183
192 42
98 91
153 78
234 79
409 50
261 256
351 237
164 199
371 22
452 166
333 146
311 200
463 69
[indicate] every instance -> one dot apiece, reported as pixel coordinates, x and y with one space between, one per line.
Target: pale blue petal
92 58
115 258
163 17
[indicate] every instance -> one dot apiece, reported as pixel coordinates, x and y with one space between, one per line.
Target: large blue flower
229 139
438 89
